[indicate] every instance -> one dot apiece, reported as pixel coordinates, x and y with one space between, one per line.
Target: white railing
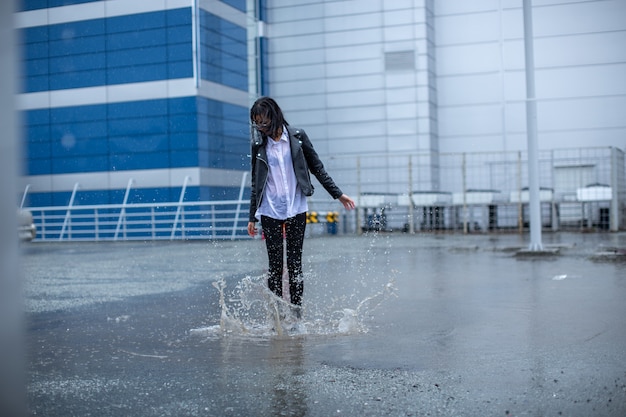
145 221
581 189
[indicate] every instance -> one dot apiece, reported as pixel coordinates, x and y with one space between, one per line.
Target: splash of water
251 309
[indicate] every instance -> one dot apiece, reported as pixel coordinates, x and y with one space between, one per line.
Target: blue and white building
153 92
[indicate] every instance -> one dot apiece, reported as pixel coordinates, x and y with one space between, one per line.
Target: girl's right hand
252 229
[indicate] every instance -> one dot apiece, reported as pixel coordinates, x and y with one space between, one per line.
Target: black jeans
294 235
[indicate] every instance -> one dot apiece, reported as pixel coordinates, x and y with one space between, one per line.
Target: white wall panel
305 118
398 4
470 120
463 29
515 119
357 114
365 36
401 79
585 17
400 95
582 81
355 98
302 12
290 28
357 130
351 7
513 55
588 49
292 72
403 143
584 113
464 59
401 111
352 52
358 21
302 57
358 82
469 89
401 127
398 33
512 25
360 145
301 87
398 17
294 43
464 7
598 137
294 103
357 67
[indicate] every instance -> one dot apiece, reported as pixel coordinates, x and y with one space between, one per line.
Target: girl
281 159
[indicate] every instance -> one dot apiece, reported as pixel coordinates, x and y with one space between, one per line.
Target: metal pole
123 210
12 346
464 180
531 127
616 165
410 190
179 207
359 229
24 195
520 204
242 187
68 213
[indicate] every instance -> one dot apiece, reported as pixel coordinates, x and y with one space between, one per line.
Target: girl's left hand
347 202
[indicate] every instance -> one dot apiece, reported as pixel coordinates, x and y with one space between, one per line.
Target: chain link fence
580 189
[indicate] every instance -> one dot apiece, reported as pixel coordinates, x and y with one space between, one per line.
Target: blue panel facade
224 51
164 133
237 4
117 50
26 5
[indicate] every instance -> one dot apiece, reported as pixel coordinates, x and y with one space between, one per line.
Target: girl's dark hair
267 109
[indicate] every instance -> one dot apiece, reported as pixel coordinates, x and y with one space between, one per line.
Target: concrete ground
454 326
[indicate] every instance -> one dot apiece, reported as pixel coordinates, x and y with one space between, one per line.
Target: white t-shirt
282 197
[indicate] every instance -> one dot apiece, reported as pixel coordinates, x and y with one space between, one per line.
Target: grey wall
374 76
580 59
327 69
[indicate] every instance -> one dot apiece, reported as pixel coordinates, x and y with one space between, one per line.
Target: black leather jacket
305 160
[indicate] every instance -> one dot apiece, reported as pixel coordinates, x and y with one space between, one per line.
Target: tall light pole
531 131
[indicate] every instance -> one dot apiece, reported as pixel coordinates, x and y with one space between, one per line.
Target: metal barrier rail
145 221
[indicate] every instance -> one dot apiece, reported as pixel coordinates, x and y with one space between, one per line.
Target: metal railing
581 188
146 221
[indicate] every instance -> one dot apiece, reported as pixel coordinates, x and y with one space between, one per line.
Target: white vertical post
359 229
520 205
410 191
241 188
68 213
614 214
531 131
178 209
24 195
123 209
465 209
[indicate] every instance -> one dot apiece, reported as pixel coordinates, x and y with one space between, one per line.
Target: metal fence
158 221
581 189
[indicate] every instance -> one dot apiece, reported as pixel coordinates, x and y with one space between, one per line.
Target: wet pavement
470 329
